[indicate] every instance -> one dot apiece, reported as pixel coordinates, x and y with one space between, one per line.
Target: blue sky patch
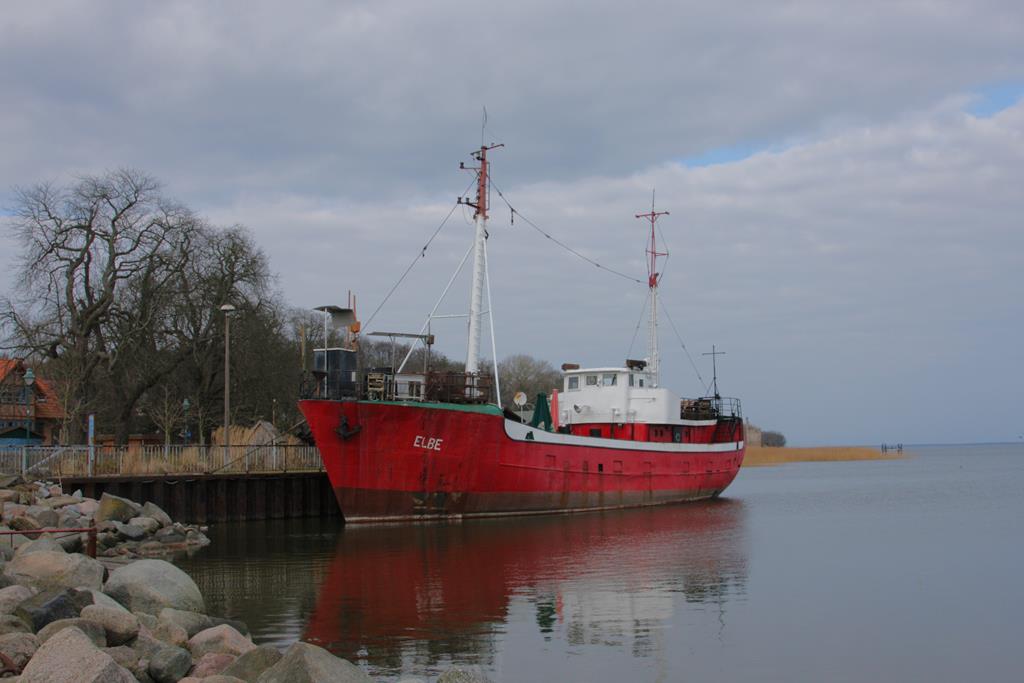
723 155
993 99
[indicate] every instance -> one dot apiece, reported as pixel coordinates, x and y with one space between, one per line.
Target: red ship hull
403 461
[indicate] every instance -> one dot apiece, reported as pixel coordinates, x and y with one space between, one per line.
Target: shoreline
761 456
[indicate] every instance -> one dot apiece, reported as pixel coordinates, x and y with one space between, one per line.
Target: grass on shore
759 456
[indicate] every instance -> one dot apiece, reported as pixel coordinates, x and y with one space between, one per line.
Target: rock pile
125 528
64 618
145 622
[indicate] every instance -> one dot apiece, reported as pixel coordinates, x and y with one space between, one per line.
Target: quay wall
205 498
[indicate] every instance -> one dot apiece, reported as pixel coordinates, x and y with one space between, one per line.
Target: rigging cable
681 343
565 246
422 253
639 322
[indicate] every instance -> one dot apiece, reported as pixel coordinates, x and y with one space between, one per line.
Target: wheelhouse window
591 380
573 383
631 379
608 379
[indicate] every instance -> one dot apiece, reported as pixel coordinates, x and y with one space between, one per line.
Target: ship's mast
479 259
653 359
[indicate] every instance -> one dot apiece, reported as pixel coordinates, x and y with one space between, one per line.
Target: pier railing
78 461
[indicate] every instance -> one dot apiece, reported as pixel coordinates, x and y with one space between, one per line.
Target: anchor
346 432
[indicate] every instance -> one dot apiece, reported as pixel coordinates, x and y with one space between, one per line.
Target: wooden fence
106 461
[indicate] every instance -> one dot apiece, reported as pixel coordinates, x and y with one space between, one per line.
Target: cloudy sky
845 180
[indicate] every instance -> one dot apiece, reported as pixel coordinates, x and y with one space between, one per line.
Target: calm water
890 571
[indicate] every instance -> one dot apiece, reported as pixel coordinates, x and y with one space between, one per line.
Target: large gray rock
12 624
44 516
120 626
169 535
43 542
305 663
147 524
192 622
129 659
70 657
13 509
129 532
101 598
170 664
107 539
222 639
197 537
51 605
211 664
12 596
58 502
168 632
55 569
147 646
70 517
151 585
155 512
25 523
251 665
72 543
93 630
19 647
223 678
88 507
116 508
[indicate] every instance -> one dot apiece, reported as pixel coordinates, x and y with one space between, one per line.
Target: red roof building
30 409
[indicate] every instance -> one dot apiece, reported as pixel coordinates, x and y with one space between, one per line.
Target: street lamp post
30 379
185 405
228 309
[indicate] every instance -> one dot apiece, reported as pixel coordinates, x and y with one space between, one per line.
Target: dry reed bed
757 456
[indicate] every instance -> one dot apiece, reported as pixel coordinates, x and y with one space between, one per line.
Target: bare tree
120 289
84 249
532 376
165 410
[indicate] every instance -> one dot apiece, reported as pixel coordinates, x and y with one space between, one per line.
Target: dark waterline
891 570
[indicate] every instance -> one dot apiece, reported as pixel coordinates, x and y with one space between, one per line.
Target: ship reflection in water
418 598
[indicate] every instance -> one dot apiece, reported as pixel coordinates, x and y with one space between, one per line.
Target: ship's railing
381 384
58 461
460 387
710 408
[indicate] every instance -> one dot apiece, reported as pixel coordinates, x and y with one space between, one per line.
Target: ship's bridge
616 395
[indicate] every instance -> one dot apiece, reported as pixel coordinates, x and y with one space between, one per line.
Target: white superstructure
617 395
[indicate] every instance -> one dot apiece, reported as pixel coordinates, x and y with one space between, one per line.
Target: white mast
653 359
476 296
479 262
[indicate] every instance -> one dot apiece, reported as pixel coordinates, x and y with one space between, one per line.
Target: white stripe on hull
518 432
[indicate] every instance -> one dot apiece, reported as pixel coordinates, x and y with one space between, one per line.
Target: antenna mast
653 359
714 368
479 258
